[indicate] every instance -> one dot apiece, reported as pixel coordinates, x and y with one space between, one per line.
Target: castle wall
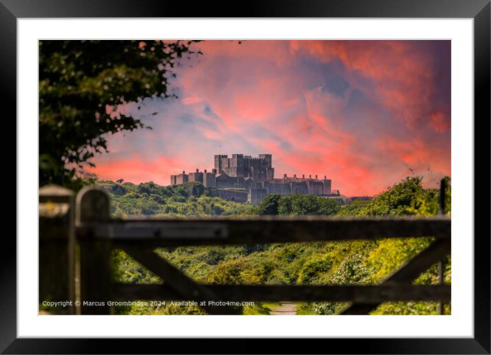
315 187
256 196
279 188
182 179
233 195
197 176
249 184
299 188
209 179
326 186
224 181
179 179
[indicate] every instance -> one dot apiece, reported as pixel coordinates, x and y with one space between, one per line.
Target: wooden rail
260 230
96 234
358 294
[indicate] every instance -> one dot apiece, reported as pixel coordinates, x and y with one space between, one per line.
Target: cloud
364 113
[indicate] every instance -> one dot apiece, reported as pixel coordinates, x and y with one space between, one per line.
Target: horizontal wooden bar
55 199
54 228
357 294
262 230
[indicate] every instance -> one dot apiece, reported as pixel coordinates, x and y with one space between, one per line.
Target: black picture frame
478 10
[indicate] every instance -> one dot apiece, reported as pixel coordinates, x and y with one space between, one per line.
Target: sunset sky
364 113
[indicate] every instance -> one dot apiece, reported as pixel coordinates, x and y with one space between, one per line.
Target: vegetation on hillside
152 200
298 205
350 262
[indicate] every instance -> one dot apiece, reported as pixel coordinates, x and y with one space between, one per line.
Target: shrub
313 268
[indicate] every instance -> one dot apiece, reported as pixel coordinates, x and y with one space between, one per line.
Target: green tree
307 205
405 198
354 208
269 205
82 85
298 205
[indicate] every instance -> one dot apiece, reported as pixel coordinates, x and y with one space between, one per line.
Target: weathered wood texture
441 279
57 246
444 186
261 230
361 294
95 268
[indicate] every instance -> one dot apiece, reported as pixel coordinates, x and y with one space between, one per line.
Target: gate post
57 247
93 207
441 264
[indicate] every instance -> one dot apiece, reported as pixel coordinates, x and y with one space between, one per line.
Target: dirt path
284 309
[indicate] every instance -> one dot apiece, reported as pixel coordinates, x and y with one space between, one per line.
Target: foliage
269 205
307 205
372 262
333 263
447 204
313 268
298 205
150 199
406 198
82 85
353 209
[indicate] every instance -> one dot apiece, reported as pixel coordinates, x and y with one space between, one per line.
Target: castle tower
327 185
219 162
260 168
268 159
237 165
197 176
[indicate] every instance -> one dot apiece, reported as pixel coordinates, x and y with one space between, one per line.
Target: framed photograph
309 177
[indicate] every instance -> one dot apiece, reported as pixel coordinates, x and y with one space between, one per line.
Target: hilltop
186 200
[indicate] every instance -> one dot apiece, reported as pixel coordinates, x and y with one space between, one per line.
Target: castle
247 179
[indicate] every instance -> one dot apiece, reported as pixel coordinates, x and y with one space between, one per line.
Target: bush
298 205
313 268
307 205
269 206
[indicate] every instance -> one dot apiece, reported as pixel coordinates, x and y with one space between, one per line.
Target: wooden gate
77 237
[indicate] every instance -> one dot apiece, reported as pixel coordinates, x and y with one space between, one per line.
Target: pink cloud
364 113
438 122
137 169
403 69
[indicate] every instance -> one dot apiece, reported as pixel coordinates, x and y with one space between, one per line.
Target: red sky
364 113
